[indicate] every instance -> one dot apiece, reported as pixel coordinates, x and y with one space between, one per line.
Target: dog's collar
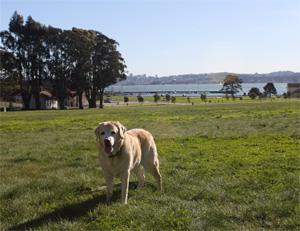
118 152
112 156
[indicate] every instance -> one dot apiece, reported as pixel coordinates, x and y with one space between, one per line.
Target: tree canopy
270 89
84 61
232 84
254 90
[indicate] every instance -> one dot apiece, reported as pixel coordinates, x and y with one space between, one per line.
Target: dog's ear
121 128
97 131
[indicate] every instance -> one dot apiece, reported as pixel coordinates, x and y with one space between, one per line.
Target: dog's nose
107 142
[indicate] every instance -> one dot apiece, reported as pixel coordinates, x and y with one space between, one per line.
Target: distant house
46 100
294 89
15 96
73 100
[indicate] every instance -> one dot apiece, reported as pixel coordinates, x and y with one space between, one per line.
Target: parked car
107 100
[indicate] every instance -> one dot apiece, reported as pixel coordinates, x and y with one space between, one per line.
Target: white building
73 100
46 101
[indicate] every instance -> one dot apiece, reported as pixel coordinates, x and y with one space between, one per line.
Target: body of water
172 88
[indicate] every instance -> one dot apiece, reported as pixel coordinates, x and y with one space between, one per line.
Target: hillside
274 77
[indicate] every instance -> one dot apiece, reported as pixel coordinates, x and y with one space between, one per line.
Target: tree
35 36
13 42
126 99
254 90
270 89
80 51
173 99
64 60
156 97
188 99
59 64
27 44
8 75
252 95
227 96
285 96
140 98
203 97
232 85
108 66
168 97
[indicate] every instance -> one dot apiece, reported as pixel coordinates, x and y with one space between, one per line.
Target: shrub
188 99
173 99
203 97
168 97
156 97
140 99
253 95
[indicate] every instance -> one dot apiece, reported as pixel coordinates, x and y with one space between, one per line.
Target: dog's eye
102 133
113 132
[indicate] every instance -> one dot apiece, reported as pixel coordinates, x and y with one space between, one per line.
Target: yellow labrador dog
121 152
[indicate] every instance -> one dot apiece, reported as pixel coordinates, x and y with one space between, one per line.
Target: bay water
172 88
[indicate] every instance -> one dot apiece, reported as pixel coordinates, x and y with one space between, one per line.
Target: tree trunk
80 99
91 97
26 100
37 100
93 100
101 98
62 103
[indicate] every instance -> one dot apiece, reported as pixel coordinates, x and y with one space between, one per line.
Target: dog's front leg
125 185
109 186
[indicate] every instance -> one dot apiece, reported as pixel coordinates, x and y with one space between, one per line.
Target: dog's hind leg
157 176
139 173
153 168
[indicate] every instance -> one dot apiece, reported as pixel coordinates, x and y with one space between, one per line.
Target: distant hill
274 77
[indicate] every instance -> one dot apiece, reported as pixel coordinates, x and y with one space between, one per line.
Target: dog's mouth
108 147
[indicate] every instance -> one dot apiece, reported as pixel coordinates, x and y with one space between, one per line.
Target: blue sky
171 37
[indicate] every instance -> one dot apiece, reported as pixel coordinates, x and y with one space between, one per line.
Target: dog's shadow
74 211
69 212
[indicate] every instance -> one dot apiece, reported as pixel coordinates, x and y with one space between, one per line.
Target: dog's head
109 134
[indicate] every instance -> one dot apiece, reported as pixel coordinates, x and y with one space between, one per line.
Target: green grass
224 166
197 99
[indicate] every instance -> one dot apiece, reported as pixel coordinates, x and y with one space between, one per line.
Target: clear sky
171 37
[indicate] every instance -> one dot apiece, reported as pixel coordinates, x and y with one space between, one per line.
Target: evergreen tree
156 97
59 64
232 84
107 64
254 90
27 44
8 75
270 89
77 59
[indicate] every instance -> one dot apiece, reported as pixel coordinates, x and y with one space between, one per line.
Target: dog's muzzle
108 146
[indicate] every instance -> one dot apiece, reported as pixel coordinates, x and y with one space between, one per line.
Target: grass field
232 166
195 99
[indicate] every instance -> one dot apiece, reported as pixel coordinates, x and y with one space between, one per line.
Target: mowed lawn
232 166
